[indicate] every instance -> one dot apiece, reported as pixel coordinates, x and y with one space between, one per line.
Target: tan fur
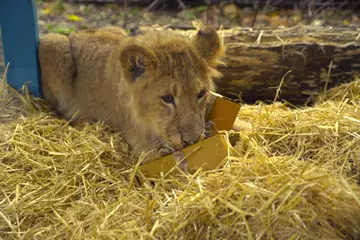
104 75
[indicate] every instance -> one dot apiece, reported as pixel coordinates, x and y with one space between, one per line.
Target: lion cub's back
90 45
92 88
92 54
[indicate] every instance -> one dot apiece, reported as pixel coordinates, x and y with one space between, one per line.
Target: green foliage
61 30
193 12
135 11
59 6
84 26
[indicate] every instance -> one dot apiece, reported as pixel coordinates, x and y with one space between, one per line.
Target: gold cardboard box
207 154
223 112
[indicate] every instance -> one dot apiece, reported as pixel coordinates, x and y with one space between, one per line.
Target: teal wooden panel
18 22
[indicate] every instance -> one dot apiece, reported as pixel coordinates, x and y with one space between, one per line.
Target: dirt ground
58 16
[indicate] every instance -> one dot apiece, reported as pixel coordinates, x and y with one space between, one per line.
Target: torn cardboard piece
207 154
223 112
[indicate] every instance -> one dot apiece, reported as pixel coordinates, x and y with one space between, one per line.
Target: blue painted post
19 30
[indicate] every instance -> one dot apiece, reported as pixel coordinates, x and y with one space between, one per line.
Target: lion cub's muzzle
189 139
191 134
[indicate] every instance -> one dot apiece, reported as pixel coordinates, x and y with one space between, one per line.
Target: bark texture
318 58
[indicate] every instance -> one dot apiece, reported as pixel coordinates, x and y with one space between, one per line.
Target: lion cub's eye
168 99
201 94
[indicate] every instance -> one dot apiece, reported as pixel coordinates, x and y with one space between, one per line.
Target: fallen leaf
74 18
46 11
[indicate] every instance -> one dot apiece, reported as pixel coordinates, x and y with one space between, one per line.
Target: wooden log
240 3
257 60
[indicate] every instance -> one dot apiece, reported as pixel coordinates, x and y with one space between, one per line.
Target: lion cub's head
170 78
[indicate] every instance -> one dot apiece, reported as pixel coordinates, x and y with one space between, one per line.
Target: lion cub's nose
189 139
188 143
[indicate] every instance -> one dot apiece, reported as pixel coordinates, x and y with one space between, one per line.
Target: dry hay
296 175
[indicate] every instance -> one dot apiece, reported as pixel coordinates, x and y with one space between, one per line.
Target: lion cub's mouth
174 143
179 144
171 145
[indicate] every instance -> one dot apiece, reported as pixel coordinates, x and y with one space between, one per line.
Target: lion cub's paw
178 155
165 150
181 161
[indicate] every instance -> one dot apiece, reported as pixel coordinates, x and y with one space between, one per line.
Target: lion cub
153 88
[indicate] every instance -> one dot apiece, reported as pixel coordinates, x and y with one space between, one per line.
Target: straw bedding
295 175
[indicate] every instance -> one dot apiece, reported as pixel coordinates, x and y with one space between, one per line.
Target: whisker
209 133
154 146
158 141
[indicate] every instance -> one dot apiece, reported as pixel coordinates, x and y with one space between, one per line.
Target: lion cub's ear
135 60
209 45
